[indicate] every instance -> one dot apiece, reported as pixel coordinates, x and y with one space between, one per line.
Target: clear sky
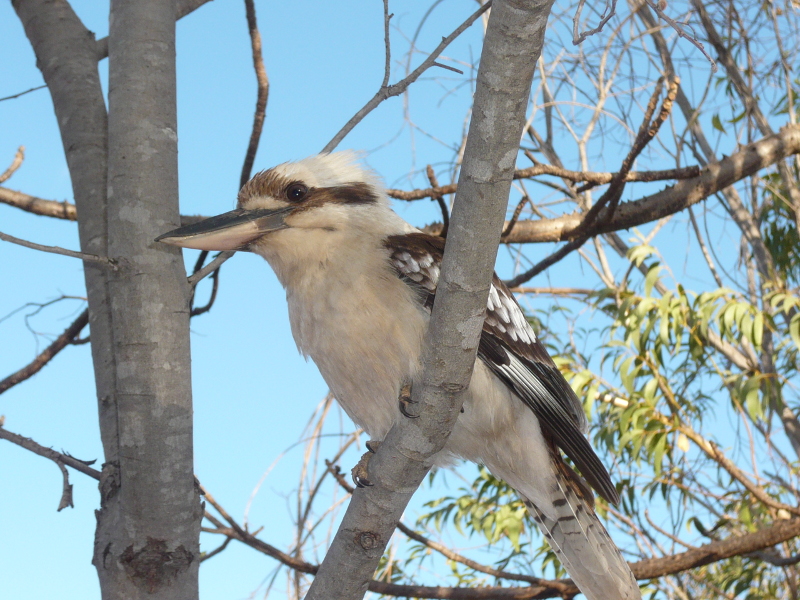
253 393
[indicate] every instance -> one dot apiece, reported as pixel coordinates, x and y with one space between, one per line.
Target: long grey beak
232 230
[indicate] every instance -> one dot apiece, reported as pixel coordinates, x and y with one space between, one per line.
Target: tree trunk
146 544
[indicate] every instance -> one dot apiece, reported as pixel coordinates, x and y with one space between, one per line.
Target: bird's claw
360 472
406 402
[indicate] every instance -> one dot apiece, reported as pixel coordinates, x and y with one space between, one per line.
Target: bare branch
47 355
608 12
388 91
101 260
38 206
261 97
15 164
58 457
607 204
591 177
713 178
681 33
40 87
210 267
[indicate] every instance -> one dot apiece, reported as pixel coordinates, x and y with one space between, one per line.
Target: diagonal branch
92 258
388 91
47 355
57 457
15 164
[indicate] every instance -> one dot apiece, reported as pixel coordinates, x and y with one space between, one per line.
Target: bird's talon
406 402
360 472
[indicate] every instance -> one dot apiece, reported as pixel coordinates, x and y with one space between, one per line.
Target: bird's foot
360 473
406 403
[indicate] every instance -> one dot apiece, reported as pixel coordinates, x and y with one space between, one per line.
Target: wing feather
509 348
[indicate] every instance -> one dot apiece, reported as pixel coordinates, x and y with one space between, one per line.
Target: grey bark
512 46
146 544
148 528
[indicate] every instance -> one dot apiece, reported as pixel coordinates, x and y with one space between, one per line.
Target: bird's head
305 202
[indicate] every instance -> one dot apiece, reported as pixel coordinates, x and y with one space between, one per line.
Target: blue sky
253 393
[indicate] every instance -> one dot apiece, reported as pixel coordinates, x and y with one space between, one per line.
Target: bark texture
148 528
513 43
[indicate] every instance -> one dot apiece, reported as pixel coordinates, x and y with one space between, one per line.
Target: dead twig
215 264
389 91
440 200
40 87
592 178
611 197
59 458
101 260
47 355
15 164
261 96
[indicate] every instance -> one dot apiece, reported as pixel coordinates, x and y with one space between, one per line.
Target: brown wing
510 349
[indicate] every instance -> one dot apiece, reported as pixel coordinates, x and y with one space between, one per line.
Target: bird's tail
583 545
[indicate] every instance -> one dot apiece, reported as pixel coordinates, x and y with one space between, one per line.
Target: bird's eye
296 191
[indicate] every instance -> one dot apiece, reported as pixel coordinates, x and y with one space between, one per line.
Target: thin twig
703 248
102 260
216 550
389 91
15 164
47 355
41 87
262 94
387 67
214 288
681 33
515 217
591 177
610 198
66 459
577 38
210 267
440 200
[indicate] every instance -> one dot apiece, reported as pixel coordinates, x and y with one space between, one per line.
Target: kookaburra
360 284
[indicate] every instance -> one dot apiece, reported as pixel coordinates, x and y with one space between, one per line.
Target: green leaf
717 123
758 330
658 452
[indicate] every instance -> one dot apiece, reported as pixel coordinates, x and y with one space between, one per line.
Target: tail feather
584 547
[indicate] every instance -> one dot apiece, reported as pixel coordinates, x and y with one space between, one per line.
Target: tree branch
388 91
47 355
590 177
38 206
100 260
57 457
261 96
713 178
650 568
15 164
